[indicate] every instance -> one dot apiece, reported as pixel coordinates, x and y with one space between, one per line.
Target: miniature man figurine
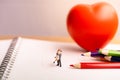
58 57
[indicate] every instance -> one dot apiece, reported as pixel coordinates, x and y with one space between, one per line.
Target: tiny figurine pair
58 57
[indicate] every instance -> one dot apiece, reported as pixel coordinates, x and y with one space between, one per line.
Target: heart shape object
92 26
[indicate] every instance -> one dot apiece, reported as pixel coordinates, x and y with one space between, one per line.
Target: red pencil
96 65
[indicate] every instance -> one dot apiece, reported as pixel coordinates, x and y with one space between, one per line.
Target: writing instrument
96 65
112 58
93 54
109 52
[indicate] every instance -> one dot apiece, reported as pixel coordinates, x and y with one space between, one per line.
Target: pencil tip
72 65
82 54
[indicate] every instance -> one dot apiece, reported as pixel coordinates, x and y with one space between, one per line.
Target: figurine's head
59 50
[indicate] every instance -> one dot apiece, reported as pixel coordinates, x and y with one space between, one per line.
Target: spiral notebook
30 59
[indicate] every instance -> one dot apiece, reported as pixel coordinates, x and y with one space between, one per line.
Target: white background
40 17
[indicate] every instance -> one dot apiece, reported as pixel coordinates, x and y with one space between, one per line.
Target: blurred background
40 17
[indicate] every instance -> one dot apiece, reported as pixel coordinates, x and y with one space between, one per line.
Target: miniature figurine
58 57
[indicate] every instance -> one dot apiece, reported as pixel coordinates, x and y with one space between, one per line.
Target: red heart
92 26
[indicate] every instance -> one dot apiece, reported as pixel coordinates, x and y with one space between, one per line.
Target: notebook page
4 45
9 58
35 62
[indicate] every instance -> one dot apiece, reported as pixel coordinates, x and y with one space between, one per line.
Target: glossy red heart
92 26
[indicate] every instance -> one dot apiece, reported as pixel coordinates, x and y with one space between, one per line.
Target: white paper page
35 62
113 47
4 45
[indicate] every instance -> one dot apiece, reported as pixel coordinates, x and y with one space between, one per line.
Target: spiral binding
9 59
